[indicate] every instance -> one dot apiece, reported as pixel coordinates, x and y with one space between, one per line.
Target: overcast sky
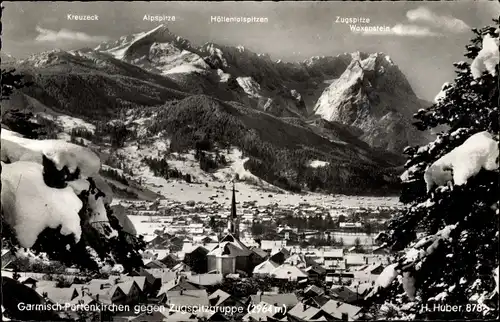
424 40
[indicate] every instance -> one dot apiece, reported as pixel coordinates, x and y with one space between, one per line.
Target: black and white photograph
250 161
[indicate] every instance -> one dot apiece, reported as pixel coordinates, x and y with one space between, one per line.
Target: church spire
233 204
233 222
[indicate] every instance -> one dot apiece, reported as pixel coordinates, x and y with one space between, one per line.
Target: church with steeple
230 255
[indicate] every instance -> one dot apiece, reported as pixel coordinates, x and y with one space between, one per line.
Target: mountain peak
134 46
372 94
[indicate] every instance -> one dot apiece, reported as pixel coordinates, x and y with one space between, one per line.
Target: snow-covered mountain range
367 91
351 111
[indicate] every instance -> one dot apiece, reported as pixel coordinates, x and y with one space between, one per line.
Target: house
133 292
204 239
139 280
154 264
178 284
181 267
152 283
332 258
287 233
351 225
168 276
269 245
317 301
356 260
7 257
59 295
296 260
345 294
284 299
289 272
315 272
313 290
28 280
339 276
175 244
309 313
265 268
260 252
170 260
203 280
218 297
197 259
362 288
158 242
279 255
342 311
368 273
105 292
223 299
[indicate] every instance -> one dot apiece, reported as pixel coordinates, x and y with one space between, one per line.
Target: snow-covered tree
451 192
54 202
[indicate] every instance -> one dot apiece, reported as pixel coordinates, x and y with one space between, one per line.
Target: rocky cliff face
373 95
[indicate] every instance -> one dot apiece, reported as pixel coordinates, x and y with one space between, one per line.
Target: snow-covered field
146 225
249 187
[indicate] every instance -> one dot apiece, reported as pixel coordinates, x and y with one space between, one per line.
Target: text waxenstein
355 28
224 19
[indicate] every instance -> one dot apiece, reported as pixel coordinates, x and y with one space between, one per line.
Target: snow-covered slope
373 94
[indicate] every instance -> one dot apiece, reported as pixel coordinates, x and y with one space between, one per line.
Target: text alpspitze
158 18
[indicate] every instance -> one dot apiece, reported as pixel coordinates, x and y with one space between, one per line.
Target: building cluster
200 268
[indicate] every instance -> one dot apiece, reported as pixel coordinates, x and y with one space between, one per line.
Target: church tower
233 225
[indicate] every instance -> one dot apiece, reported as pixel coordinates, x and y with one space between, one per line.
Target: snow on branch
401 270
62 153
30 206
487 59
385 279
478 151
442 94
98 217
495 276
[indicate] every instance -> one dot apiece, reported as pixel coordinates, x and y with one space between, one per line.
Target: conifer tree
454 258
